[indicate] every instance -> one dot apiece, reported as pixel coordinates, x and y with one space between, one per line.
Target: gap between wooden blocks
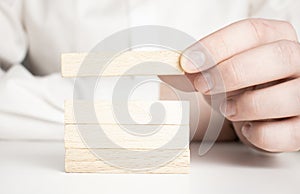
96 142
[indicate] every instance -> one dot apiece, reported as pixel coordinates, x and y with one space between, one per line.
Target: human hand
259 63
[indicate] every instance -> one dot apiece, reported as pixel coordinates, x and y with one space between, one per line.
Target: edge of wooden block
134 136
71 63
176 112
180 165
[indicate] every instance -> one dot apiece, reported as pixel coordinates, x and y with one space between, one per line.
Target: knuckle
234 72
287 51
220 46
266 141
297 84
287 137
289 29
262 28
262 138
255 25
286 140
252 100
294 136
288 25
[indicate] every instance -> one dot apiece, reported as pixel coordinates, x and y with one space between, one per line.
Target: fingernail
246 130
204 83
228 108
192 60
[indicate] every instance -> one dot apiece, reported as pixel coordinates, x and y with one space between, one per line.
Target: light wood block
84 141
136 136
153 137
149 64
176 112
85 160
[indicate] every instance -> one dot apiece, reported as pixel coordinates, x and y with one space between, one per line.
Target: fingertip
196 58
246 131
204 83
264 138
249 133
192 61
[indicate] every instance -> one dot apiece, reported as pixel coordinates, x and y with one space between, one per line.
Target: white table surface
38 167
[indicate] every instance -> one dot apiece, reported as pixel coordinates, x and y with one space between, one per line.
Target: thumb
196 58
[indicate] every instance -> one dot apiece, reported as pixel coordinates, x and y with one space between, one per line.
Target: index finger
233 39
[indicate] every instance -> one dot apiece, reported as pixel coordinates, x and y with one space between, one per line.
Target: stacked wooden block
97 141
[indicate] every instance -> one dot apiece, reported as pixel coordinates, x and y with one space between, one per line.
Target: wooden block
136 136
161 145
85 160
176 112
149 63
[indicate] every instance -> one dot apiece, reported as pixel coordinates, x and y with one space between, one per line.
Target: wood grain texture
129 156
173 112
127 136
160 161
126 63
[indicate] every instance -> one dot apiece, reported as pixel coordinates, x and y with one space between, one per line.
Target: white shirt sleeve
13 47
30 107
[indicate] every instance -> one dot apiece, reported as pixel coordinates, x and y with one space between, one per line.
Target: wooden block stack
138 146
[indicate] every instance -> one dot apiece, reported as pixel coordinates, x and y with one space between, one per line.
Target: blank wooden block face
127 63
85 160
92 136
107 145
150 137
80 112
